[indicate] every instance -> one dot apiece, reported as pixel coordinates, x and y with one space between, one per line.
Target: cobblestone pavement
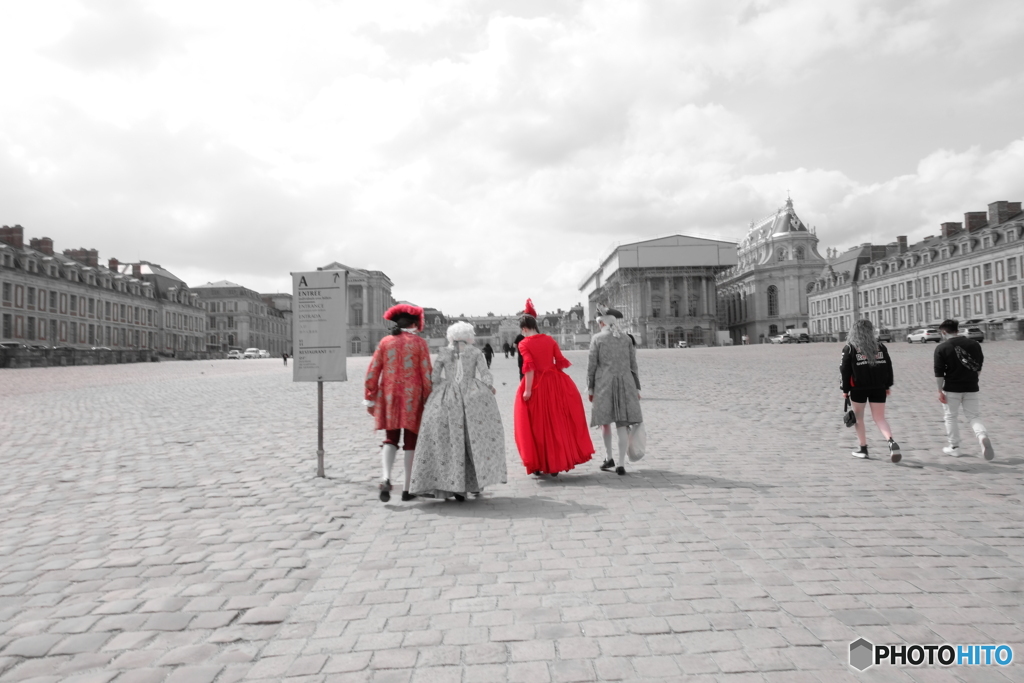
162 522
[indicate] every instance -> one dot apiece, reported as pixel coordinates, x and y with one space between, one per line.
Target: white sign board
319 326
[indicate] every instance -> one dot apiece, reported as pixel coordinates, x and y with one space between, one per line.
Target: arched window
698 335
799 253
773 330
773 301
782 254
356 346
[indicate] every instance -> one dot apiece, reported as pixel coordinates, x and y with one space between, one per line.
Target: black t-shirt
515 346
952 358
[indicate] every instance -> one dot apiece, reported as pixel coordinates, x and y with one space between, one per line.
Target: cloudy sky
482 151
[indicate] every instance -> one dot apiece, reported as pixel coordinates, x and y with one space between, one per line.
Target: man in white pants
958 362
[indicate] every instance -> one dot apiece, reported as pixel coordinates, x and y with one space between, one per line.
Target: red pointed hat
407 309
529 309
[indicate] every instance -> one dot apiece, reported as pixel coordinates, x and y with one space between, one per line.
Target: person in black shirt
515 349
958 362
488 354
866 372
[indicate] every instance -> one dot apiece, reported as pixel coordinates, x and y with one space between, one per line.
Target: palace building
369 296
765 294
664 287
971 271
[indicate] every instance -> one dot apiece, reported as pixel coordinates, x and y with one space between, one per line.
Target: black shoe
385 490
536 474
620 470
894 451
608 464
406 496
554 474
459 497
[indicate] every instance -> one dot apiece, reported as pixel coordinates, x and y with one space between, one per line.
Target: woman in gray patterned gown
614 386
461 444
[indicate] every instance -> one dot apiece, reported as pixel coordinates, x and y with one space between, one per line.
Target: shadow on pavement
501 507
645 477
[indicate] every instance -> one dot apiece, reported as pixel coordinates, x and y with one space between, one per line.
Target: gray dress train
461 443
613 380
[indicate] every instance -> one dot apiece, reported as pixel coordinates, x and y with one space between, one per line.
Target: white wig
460 332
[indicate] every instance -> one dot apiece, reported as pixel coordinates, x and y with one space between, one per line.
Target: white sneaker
861 452
951 451
986 448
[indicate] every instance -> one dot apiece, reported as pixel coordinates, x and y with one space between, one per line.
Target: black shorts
865 395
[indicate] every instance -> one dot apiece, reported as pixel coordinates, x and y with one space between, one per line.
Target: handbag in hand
849 417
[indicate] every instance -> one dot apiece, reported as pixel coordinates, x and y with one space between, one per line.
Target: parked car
884 335
924 335
235 355
777 339
12 345
101 348
974 333
264 353
251 353
681 344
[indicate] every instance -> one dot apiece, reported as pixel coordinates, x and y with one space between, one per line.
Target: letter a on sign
302 281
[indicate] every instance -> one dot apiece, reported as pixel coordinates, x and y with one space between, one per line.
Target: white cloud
479 152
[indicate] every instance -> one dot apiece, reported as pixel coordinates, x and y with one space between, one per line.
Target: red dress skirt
551 428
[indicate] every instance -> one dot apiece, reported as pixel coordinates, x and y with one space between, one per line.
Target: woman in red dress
550 423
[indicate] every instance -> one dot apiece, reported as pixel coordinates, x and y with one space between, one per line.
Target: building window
774 329
986 242
986 273
1001 300
1011 269
1014 301
1000 272
956 280
773 301
356 315
990 303
800 253
945 282
927 310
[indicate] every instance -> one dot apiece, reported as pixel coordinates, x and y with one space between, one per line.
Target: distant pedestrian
396 389
613 384
285 357
550 423
504 347
515 348
866 372
488 354
958 362
461 446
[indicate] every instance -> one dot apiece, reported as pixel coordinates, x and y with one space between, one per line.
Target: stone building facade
833 302
369 296
971 271
238 318
71 300
282 303
766 292
665 288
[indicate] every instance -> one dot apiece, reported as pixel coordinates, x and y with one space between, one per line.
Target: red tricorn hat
529 309
405 309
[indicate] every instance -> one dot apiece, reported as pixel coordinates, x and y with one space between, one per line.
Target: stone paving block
31 646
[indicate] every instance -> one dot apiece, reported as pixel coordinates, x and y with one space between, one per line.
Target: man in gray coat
613 385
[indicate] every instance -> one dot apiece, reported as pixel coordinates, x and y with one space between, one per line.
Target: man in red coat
397 387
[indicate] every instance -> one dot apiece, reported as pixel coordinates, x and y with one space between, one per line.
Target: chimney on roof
13 236
137 271
975 220
89 257
43 244
901 240
951 228
113 264
1000 212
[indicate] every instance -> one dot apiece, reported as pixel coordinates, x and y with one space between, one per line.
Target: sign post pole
318 338
320 429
